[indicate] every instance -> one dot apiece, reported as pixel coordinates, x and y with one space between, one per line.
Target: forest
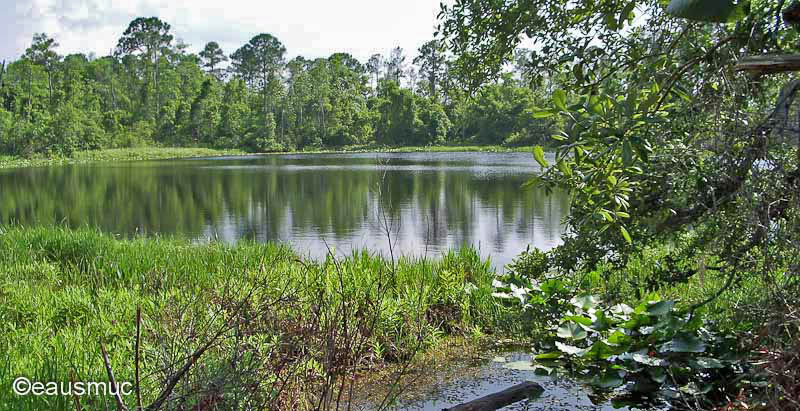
151 91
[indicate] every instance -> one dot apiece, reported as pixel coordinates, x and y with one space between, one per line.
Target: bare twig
120 405
137 356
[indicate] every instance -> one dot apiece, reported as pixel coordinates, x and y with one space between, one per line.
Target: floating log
501 399
769 64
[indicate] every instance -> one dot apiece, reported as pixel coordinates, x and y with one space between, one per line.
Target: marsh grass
418 149
114 154
304 329
160 153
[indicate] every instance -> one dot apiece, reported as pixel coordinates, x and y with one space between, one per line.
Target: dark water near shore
428 202
467 380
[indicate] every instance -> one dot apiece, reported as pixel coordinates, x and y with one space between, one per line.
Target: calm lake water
428 202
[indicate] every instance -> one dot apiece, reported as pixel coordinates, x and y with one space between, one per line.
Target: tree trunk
50 87
30 91
324 128
158 95
501 399
111 82
113 95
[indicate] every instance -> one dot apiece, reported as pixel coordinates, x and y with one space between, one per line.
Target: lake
425 203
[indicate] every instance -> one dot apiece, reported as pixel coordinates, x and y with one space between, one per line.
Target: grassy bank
114 154
424 149
158 153
275 331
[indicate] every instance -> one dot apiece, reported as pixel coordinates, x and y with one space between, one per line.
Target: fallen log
501 399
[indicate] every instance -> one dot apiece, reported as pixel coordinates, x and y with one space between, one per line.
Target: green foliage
531 264
653 348
656 138
503 113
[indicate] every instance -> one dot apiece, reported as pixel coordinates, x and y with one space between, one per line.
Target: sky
311 28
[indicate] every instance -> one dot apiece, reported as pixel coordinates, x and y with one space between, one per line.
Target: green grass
114 154
64 291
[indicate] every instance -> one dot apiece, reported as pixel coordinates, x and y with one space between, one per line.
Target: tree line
150 90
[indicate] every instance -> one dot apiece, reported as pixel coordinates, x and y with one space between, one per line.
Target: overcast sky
311 28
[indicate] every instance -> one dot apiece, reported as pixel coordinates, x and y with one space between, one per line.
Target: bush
531 264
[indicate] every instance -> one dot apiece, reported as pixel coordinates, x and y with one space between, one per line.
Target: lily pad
642 357
684 343
585 302
571 331
708 362
608 380
660 308
571 350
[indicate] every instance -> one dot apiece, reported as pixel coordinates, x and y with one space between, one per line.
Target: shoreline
166 153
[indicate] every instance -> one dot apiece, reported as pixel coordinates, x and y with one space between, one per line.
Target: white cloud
306 27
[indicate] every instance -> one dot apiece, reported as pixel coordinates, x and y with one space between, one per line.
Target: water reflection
428 202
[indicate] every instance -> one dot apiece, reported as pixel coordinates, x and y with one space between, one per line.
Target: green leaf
642 357
538 155
618 338
626 13
577 70
708 362
580 319
543 114
548 355
612 180
571 331
717 11
602 351
534 181
569 349
560 99
627 153
683 343
595 105
660 308
585 302
564 167
625 234
608 380
644 106
621 310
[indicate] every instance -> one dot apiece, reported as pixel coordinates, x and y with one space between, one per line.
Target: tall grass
64 292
